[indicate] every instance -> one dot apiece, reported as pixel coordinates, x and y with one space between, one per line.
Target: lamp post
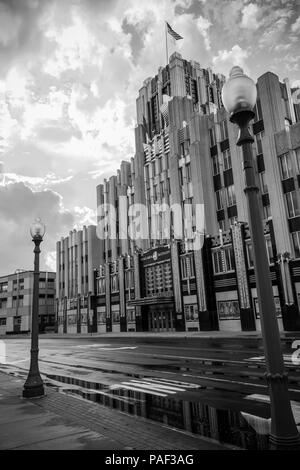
239 97
34 386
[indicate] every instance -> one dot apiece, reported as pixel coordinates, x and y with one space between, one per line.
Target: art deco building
150 276
16 291
77 257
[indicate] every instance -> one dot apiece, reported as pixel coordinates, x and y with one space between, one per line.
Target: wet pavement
58 421
208 387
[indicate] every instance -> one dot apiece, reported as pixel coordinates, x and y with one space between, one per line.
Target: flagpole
167 55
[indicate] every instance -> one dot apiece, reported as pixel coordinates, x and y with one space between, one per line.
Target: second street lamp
239 98
34 386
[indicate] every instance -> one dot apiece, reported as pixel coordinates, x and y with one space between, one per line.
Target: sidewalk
58 421
173 334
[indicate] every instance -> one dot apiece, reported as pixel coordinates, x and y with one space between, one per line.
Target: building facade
77 258
186 183
16 292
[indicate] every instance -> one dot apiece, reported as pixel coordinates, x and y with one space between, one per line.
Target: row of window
157 166
223 258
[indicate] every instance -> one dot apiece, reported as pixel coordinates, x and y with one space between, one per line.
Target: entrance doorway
161 320
17 324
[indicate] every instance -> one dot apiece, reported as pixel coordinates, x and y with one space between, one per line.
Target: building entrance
161 320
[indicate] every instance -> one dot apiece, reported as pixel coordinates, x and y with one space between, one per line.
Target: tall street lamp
34 386
239 97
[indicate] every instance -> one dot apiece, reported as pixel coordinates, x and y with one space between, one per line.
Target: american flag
172 32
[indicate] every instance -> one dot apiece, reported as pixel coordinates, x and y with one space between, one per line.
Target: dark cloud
19 206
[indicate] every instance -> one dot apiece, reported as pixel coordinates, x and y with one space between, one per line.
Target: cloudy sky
70 71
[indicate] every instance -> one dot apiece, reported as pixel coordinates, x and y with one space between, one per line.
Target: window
50 300
153 169
159 166
180 176
223 259
129 279
277 306
262 182
296 243
227 159
258 111
191 312
101 286
155 192
212 137
184 148
116 316
3 287
228 309
3 303
292 204
161 187
114 283
167 161
42 299
297 151
270 250
2 321
188 172
216 165
250 254
219 199
258 139
222 225
187 267
169 186
286 168
147 173
224 130
130 315
14 302
267 212
230 195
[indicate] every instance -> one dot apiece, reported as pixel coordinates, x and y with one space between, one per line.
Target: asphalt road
222 372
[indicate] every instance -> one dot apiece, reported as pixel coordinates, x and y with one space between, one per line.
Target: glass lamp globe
37 229
239 91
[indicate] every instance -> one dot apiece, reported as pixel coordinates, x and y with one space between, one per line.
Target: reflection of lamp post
34 386
239 97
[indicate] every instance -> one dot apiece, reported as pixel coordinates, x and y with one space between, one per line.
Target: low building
16 299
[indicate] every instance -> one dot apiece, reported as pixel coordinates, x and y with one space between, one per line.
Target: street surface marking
153 386
103 347
286 357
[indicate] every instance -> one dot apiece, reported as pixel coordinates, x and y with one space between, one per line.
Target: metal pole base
33 391
284 443
33 387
